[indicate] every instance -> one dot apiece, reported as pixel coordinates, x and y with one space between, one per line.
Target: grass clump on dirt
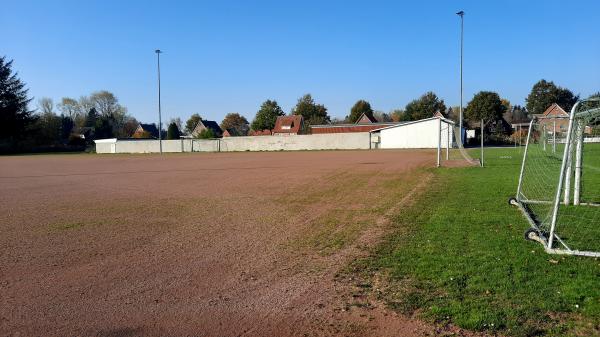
347 205
457 255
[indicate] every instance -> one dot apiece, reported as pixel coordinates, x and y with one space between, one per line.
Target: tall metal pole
482 143
158 52
460 121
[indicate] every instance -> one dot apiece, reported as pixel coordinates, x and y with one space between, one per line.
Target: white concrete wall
205 145
418 135
335 141
105 147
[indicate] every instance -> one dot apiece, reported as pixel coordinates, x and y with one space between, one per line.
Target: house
288 125
204 125
145 131
554 117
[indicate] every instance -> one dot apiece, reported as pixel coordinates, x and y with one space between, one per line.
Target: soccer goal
559 181
450 150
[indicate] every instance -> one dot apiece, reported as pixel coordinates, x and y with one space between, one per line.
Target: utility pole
460 120
158 52
482 143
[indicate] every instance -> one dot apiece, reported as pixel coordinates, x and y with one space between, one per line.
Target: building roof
288 124
150 128
553 110
231 132
259 133
366 119
439 114
348 128
213 126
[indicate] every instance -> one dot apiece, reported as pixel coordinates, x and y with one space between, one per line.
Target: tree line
74 123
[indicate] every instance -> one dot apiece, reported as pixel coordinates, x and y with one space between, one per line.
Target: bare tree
46 105
69 107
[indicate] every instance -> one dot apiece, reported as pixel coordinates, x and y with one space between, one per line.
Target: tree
15 117
103 127
337 120
206 134
398 115
237 122
191 123
383 117
313 113
173 131
131 124
177 122
46 105
267 115
544 93
518 114
485 105
91 117
106 103
47 129
359 108
424 107
66 127
69 107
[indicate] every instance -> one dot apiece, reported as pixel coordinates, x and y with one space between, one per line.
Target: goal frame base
522 205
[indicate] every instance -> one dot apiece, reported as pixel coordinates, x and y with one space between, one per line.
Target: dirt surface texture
237 244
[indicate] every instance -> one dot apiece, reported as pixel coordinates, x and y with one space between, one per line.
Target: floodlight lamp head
158 51
461 13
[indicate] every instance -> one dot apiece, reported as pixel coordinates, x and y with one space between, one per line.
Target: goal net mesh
554 145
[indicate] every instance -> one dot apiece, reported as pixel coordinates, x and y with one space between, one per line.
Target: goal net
559 182
451 151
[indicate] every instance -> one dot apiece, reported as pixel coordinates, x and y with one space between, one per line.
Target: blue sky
226 56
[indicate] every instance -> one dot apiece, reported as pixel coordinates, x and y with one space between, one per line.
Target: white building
422 134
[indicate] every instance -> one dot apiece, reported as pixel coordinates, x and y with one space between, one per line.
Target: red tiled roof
259 133
348 128
288 124
554 110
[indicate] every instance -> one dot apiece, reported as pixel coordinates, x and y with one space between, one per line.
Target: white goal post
449 139
559 181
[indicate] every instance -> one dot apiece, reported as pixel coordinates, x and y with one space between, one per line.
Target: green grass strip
458 256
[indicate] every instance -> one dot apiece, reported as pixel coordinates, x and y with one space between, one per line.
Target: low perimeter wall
338 141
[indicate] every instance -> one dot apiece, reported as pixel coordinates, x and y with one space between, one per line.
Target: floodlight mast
460 120
158 52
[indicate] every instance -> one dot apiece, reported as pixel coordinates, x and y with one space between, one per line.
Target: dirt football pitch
238 244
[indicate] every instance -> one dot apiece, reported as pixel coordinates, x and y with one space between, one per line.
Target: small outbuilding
426 133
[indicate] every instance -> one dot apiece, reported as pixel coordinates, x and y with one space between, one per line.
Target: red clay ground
241 244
